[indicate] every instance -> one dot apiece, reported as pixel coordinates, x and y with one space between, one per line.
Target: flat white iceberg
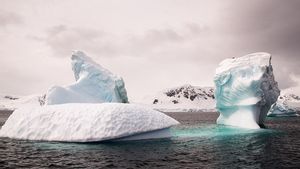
94 84
245 90
82 122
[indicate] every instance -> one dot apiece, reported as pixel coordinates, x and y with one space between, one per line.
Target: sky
152 44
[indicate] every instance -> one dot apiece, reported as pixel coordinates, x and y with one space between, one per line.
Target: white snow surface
185 98
94 84
245 90
82 122
8 102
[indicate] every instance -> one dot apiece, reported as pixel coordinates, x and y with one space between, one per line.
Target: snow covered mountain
8 102
186 98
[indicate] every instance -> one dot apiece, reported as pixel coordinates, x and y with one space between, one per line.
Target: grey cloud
197 36
269 25
62 39
159 36
243 27
9 18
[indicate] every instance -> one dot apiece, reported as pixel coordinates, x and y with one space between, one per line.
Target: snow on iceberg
245 90
78 122
94 84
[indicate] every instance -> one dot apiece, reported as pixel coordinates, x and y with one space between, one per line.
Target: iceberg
245 90
286 105
94 84
90 110
83 122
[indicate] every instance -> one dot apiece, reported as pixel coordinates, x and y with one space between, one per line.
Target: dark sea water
197 143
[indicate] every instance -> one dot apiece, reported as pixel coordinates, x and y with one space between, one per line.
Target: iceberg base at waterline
83 122
243 116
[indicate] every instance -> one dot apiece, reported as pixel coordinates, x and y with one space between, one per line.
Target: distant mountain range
183 98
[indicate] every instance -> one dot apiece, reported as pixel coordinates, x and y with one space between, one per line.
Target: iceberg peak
94 84
253 59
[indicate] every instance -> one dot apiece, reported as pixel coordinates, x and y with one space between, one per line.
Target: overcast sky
153 44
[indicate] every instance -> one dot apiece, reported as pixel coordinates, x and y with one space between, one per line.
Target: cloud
63 39
185 44
163 43
271 26
151 43
9 18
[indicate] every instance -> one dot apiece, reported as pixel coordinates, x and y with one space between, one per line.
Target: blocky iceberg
82 122
94 84
245 90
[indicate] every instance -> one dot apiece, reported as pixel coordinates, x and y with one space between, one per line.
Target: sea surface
197 143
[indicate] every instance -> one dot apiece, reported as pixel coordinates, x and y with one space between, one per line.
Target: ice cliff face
245 90
286 105
94 84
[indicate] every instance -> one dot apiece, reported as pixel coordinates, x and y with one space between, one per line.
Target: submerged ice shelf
87 123
245 90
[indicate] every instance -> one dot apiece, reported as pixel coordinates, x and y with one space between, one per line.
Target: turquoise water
212 130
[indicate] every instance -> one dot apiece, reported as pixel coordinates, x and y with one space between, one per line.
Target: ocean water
197 143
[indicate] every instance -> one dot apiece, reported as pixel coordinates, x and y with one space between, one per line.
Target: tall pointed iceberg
245 90
94 84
